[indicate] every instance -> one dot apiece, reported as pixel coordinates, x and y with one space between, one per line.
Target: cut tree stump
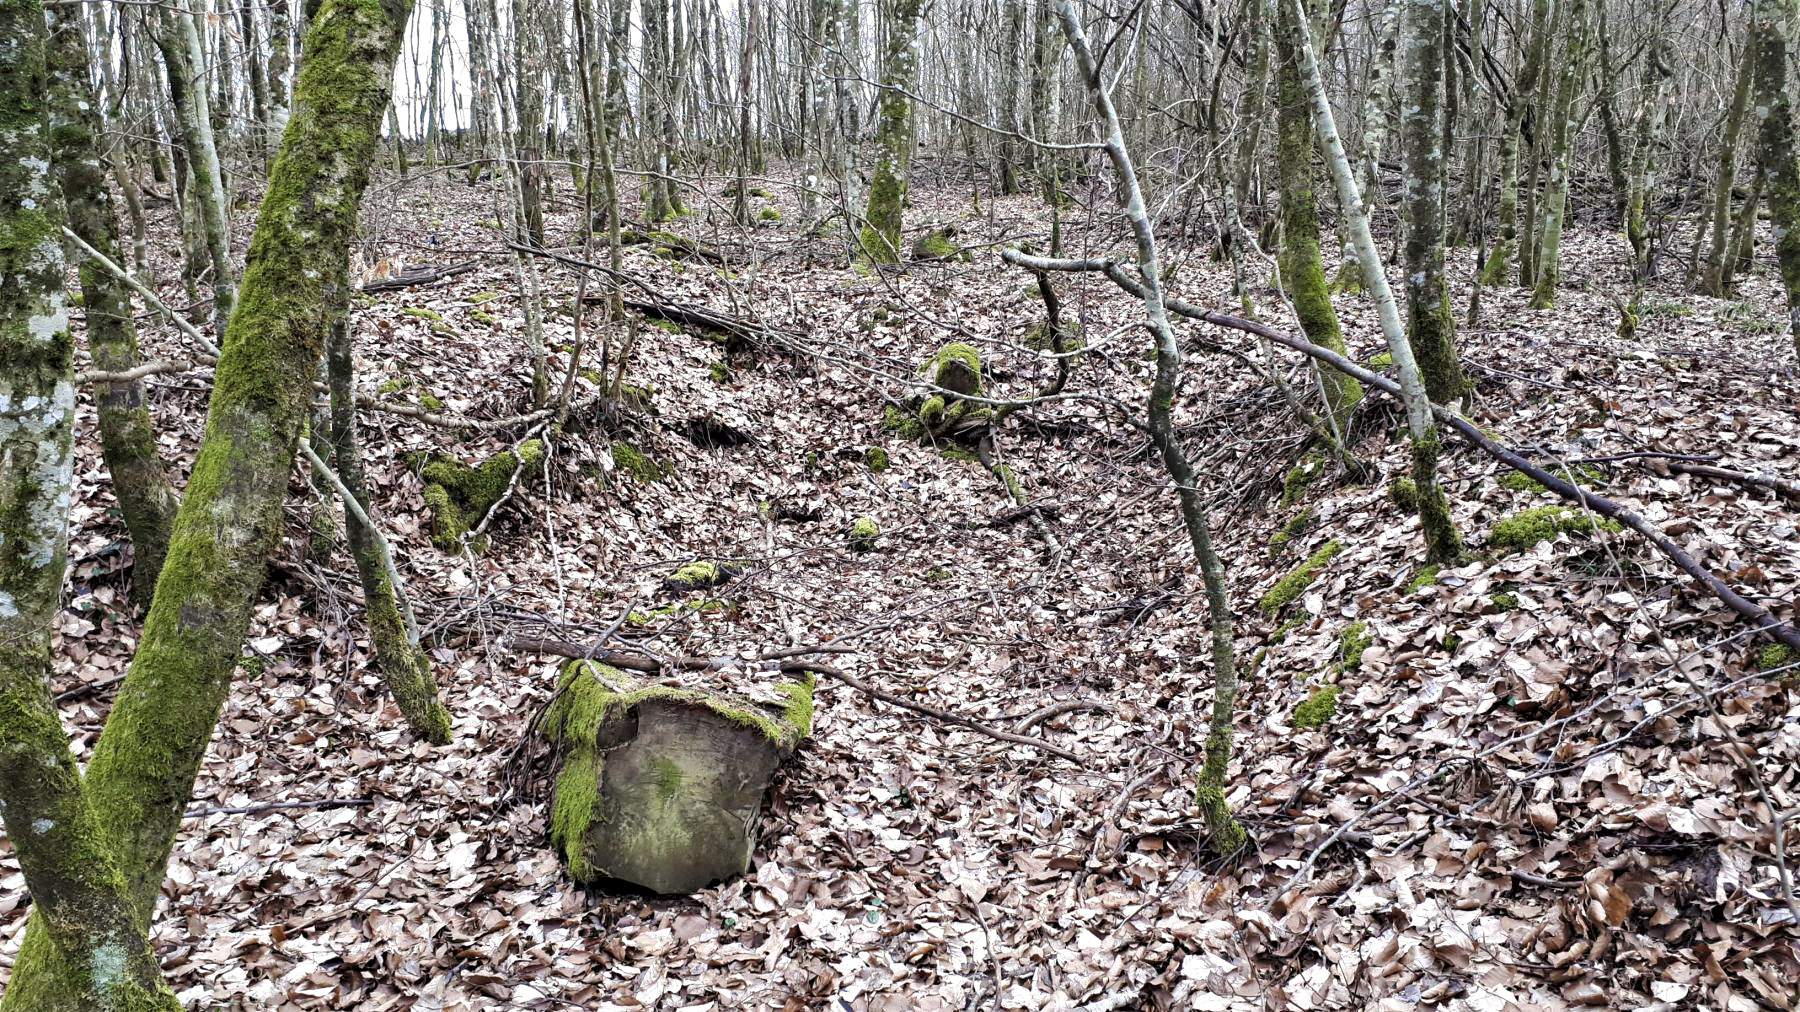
661 786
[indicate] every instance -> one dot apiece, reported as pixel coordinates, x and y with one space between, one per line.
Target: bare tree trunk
1227 836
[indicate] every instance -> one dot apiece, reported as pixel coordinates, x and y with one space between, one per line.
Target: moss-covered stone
1291 586
459 496
863 533
638 797
1527 529
1317 709
936 245
1405 494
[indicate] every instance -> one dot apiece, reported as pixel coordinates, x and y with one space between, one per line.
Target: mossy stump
661 787
944 412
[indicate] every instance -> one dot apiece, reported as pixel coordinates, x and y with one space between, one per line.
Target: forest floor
1553 769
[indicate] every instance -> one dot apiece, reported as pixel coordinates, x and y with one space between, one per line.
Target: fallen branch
417 276
280 806
138 372
652 665
1764 620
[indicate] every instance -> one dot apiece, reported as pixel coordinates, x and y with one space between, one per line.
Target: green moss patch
1776 655
863 533
1317 709
459 496
937 245
1355 640
1405 494
1298 525
1531 527
1301 478
421 313
1291 586
1426 577
701 575
876 459
638 464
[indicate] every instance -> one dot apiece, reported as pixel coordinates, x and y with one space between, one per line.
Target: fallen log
416 276
1764 620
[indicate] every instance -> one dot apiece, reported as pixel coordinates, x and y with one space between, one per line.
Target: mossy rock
1291 586
956 369
1038 337
1529 528
459 496
661 786
1317 709
701 575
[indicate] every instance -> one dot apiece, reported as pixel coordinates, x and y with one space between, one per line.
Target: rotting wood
415 276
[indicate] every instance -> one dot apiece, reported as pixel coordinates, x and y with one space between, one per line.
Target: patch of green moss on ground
393 386
863 533
1355 640
1282 630
430 402
701 574
1300 524
421 313
637 463
876 459
479 297
483 317
1298 480
720 372
1426 577
1519 481
1506 600
1405 494
770 214
1530 527
950 451
668 326
1377 363
1317 709
460 496
1775 655
1291 586
1039 338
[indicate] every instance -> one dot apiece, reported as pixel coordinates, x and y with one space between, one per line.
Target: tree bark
894 135
127 436
1430 324
1712 276
1775 149
145 761
179 41
1548 269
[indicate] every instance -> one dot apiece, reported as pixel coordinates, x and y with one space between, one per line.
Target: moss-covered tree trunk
1775 148
1442 544
1302 265
893 134
1233 234
1556 188
1658 72
127 436
1712 275
79 897
179 41
404 666
145 761
1498 265
1430 324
